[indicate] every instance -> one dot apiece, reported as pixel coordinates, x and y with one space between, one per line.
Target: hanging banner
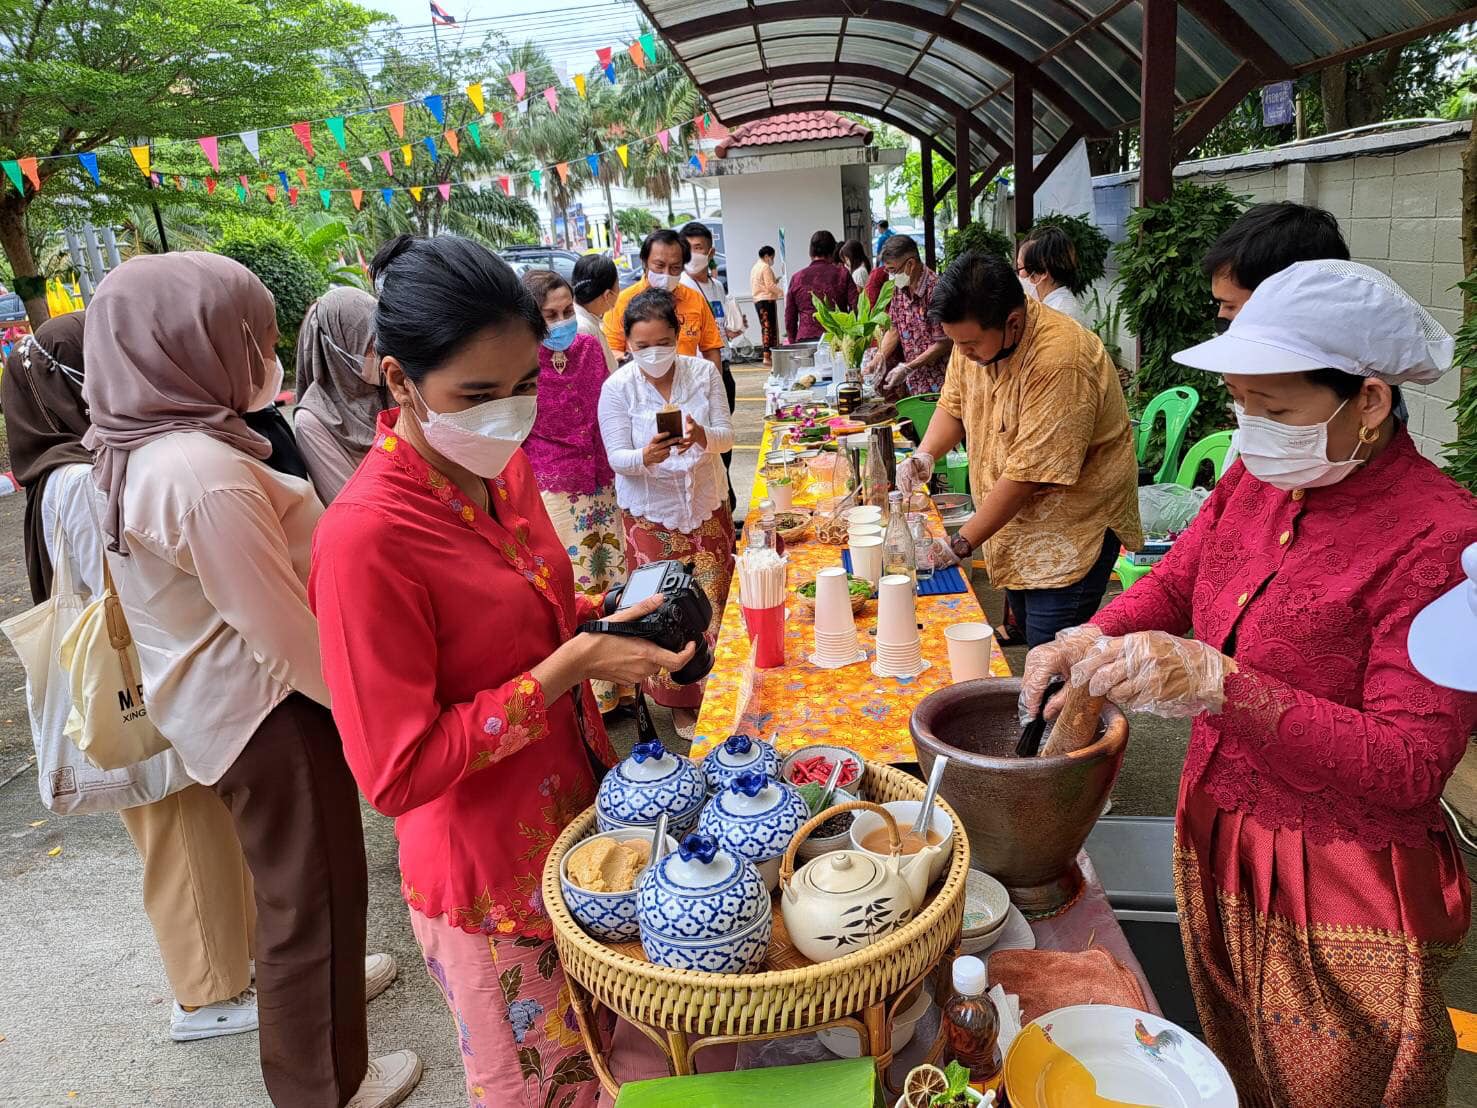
623 152
605 53
271 194
579 84
252 143
305 136
451 141
445 189
665 140
282 176
336 129
302 175
474 94
388 196
638 56
211 146
431 146
405 153
675 132
563 168
551 96
475 130
244 183
28 167
322 172
507 183
537 177
89 163
344 167
397 117
140 157
497 117
436 108
523 107
357 196
366 163
241 193
593 161
610 73
648 45
519 81
210 186
702 126
326 196
292 196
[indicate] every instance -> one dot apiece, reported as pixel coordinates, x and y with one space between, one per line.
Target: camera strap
609 627
645 727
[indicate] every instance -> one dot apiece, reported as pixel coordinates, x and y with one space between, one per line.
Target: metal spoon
925 812
830 787
658 841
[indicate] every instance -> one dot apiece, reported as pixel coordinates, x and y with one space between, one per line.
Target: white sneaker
379 972
388 1081
209 1021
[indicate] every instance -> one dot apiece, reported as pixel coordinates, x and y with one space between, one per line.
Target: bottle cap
766 507
969 976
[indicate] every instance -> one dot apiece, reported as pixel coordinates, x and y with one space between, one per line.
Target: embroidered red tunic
431 614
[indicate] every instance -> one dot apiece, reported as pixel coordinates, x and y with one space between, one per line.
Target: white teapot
840 902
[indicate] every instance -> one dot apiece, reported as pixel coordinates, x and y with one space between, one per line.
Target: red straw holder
766 627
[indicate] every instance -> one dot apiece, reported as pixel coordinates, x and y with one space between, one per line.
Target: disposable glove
1051 660
1156 672
915 472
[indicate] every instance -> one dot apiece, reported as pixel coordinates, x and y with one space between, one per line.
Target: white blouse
1062 299
683 491
590 324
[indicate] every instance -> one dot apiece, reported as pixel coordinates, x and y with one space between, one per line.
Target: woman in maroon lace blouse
1321 894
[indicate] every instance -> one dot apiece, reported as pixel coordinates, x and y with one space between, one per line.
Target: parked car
561 261
12 308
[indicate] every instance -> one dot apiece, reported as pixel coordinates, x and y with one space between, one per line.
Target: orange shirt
697 329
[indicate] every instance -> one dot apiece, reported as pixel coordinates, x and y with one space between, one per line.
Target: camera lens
700 665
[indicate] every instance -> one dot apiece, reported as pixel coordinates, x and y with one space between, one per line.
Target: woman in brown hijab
210 560
197 888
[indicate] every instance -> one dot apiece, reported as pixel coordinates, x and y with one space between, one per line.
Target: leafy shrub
1461 455
277 254
977 236
1167 299
1088 240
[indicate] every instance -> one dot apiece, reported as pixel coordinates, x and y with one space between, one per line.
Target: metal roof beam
907 126
1390 41
1221 19
1215 108
1054 156
983 180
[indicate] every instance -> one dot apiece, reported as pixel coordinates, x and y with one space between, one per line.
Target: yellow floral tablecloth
799 704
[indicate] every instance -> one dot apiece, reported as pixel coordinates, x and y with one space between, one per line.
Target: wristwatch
961 547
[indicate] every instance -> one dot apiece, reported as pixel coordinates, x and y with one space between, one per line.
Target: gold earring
1368 435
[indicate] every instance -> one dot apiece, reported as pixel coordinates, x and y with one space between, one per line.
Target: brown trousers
297 814
197 892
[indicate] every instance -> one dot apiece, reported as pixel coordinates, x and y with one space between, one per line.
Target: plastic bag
1166 510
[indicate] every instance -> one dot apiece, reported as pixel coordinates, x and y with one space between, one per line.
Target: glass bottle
898 554
877 485
922 545
762 534
971 1024
843 476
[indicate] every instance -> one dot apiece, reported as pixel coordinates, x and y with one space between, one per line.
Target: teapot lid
649 761
698 863
842 872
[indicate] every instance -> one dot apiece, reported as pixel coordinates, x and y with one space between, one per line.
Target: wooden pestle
1076 726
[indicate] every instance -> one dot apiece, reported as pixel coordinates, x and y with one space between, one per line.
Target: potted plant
850 333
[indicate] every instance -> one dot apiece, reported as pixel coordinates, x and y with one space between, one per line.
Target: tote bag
68 783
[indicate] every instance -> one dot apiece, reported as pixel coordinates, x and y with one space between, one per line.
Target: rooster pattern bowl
700 893
648 784
736 756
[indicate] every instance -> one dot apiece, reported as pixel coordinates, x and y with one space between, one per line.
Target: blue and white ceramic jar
651 781
736 756
741 952
700 893
755 818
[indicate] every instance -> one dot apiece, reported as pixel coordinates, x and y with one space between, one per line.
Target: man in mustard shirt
1037 401
664 255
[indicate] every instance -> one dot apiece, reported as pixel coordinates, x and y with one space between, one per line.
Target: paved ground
83 1001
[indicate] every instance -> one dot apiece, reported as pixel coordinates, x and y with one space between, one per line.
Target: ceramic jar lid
648 783
739 754
755 817
701 891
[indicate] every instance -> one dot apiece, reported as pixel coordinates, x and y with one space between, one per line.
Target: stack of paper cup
866 558
864 514
835 626
899 646
969 650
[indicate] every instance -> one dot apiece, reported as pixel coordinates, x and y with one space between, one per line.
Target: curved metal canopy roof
921 65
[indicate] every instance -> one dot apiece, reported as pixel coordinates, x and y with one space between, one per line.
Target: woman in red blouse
1321 894
447 608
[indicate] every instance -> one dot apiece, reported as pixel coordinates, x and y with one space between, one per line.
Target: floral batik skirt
589 526
1316 966
710 549
509 1001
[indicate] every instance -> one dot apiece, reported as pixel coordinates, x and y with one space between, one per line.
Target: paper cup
783 496
833 603
864 530
866 558
897 610
969 650
865 513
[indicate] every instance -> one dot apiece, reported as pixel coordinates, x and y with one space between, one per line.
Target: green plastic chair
1213 449
919 410
1177 405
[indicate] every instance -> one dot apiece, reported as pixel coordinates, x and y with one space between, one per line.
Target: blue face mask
562 334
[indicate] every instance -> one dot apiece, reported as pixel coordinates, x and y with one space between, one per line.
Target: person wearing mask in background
854 257
767 292
567 456
596 285
1037 401
197 888
1046 261
1321 892
208 548
448 612
665 255
672 492
699 275
921 340
267 420
884 232
825 278
339 390
1266 239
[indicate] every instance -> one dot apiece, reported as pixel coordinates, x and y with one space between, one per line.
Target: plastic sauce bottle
971 1026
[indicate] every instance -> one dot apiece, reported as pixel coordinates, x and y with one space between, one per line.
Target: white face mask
270 388
655 361
699 264
1032 292
483 438
902 279
660 280
366 367
1288 457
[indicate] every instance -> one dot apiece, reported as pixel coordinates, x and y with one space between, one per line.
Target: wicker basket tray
790 994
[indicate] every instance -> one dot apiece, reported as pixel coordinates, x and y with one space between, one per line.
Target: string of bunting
21 170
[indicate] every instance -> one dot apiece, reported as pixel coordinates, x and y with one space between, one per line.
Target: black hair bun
387 254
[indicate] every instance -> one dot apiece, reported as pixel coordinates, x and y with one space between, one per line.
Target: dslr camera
683 617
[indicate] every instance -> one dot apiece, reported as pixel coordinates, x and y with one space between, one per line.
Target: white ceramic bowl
831 753
815 846
905 812
846 1043
609 917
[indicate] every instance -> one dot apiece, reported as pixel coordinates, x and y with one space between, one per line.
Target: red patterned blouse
1326 726
431 613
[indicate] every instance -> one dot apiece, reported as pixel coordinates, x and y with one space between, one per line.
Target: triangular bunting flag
451 141
366 163
140 157
665 140
638 56
519 81
445 189
415 192
474 94
302 175
336 129
244 183
610 72
344 166
436 108
179 183
507 184
537 177
702 126
497 117
397 117
252 143
271 194
692 161
210 186
389 166
604 54
675 132
406 154
89 163
292 196
623 152
304 135
702 160
211 146
325 196
551 95
563 168
241 193
579 84
154 179
357 196
388 196
648 45
475 130
593 161
28 167
282 176
523 107
431 146
322 171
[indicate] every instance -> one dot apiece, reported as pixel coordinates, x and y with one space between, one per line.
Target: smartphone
669 422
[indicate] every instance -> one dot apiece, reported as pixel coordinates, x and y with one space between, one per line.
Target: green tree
636 223
277 253
83 76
